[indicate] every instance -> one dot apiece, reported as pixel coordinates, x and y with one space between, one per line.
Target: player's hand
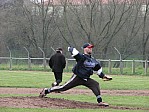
107 78
70 49
73 51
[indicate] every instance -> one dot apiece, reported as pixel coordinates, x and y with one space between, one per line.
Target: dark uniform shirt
57 62
85 65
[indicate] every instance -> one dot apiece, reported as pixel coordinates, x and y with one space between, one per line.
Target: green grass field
38 79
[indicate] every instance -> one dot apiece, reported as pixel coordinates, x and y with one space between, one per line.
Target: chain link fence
23 60
125 66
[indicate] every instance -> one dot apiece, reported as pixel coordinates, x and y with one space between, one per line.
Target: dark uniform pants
76 81
58 77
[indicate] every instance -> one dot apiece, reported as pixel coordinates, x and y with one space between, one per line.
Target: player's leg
73 82
95 87
58 78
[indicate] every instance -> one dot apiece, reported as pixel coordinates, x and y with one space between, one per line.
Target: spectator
57 63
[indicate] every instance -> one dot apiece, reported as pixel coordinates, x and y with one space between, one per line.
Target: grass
63 110
39 79
127 70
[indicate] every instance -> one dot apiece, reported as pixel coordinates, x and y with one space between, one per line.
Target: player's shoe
103 104
54 84
43 93
107 78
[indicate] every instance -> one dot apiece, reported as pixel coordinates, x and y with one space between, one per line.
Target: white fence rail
71 62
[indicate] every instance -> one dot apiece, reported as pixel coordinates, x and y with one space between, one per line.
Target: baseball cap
87 45
59 49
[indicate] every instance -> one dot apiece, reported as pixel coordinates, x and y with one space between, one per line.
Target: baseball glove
107 78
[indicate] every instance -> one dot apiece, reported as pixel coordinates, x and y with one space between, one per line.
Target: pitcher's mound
36 102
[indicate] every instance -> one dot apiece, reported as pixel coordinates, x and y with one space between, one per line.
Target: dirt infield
36 102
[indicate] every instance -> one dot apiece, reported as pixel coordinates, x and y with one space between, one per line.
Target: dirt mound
36 102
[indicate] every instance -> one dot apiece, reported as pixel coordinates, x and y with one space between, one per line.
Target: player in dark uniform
82 71
57 63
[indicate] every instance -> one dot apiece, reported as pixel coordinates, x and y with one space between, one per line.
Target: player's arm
99 72
103 76
50 62
63 61
75 53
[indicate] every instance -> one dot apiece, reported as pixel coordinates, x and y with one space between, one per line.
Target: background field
34 79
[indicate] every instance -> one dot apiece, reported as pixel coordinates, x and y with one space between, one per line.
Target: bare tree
145 29
98 23
121 24
40 31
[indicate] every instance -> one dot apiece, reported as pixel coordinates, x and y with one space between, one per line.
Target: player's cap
59 49
87 45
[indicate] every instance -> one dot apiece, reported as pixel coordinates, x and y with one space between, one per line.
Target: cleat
54 84
43 93
107 78
103 104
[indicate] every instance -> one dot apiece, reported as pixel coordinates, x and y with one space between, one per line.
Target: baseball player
82 71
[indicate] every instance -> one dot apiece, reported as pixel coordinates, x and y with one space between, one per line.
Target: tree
145 30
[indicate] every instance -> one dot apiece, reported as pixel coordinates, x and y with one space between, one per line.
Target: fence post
146 66
121 66
109 66
44 58
29 60
133 67
10 58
